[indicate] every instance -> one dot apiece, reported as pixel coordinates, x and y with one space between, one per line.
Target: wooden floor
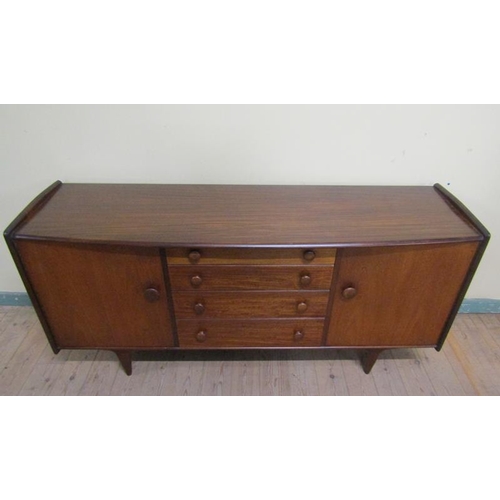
469 364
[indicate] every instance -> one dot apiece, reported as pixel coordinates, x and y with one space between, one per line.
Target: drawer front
250 304
250 333
252 256
251 277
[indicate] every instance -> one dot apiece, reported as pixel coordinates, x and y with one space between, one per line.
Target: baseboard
478 306
469 306
14 299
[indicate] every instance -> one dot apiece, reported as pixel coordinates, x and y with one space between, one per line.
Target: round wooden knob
301 307
151 294
309 255
305 279
349 292
201 336
196 280
298 335
194 255
199 308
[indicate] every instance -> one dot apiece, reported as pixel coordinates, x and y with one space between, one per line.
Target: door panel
94 295
404 294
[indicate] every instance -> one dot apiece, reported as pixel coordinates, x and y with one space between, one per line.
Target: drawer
250 333
251 256
250 304
251 277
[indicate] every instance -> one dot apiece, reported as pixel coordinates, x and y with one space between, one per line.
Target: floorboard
468 364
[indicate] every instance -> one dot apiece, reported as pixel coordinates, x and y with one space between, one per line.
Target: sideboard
129 267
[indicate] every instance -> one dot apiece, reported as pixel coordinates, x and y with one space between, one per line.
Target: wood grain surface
250 333
218 215
253 256
250 304
404 294
93 296
114 266
251 277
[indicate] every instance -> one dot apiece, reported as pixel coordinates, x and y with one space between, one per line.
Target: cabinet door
97 296
404 294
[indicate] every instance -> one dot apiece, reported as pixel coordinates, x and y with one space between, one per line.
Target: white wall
269 144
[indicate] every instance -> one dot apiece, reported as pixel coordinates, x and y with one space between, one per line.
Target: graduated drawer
251 277
249 304
250 333
251 256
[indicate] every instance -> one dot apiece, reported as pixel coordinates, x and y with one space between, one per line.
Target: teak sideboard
128 267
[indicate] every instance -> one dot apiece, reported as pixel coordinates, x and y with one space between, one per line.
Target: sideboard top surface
232 215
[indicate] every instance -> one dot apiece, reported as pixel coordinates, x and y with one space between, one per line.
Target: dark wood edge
463 290
253 319
193 267
32 294
9 235
254 348
329 307
462 210
170 299
368 359
125 358
252 291
469 217
281 246
33 207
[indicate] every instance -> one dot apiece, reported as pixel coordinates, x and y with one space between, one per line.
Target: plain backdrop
455 145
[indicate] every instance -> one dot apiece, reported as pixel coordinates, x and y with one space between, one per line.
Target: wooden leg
55 349
125 358
368 359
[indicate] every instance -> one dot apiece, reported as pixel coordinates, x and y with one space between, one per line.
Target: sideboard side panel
404 294
93 295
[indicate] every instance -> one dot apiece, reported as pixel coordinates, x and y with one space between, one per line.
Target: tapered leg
368 359
125 358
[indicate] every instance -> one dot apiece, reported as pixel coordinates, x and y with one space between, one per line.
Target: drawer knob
305 279
298 335
199 308
309 255
201 336
194 255
196 280
301 307
151 294
349 292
